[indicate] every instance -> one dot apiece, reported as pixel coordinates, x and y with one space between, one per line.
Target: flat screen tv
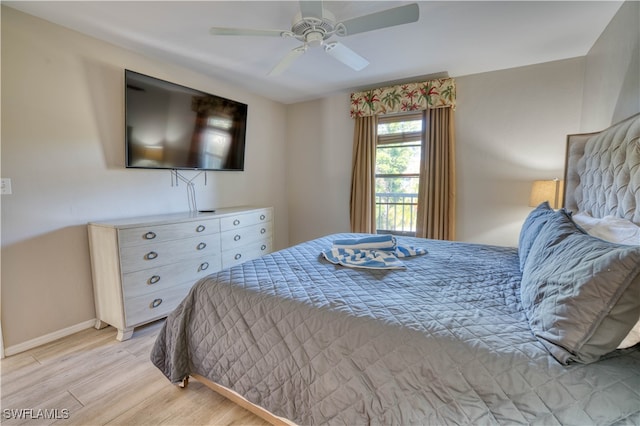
169 126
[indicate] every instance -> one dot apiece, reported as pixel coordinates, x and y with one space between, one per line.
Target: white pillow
615 230
585 220
610 228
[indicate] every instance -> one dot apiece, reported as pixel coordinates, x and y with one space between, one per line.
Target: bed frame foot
184 383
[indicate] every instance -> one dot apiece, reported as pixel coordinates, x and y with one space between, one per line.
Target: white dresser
143 267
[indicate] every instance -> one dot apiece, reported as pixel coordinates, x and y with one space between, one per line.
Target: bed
464 334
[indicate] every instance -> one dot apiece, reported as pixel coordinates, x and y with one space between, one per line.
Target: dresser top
132 222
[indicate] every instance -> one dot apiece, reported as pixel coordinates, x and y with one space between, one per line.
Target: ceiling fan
314 25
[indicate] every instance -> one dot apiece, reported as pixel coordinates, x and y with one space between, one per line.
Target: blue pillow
530 230
581 294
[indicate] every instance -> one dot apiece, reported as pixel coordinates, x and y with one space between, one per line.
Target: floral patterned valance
440 93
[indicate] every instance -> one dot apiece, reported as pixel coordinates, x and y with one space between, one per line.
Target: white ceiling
456 37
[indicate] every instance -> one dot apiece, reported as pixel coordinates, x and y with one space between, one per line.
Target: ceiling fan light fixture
314 39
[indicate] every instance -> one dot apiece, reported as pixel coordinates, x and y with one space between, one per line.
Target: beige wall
612 73
511 127
319 146
63 148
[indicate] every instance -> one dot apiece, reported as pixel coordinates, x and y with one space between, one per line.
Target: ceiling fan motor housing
313 31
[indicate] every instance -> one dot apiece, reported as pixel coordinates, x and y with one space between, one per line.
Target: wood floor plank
113 403
101 381
145 337
52 377
16 362
239 416
84 340
191 406
113 379
164 405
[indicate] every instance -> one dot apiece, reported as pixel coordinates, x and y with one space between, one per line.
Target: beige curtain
437 197
363 175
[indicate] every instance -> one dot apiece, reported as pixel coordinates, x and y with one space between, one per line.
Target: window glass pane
397 185
396 209
399 127
398 159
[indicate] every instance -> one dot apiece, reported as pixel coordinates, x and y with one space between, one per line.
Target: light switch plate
5 186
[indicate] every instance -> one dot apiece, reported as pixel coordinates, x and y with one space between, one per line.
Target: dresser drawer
134 258
154 305
245 219
152 234
242 236
146 281
246 252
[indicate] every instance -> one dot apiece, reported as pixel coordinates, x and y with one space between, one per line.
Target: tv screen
169 126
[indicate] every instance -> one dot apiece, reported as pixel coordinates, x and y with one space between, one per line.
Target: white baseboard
48 338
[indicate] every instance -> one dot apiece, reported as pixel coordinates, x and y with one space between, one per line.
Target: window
398 155
216 144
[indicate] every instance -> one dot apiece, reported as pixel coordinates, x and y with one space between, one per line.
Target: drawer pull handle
263 230
262 217
149 235
201 246
155 303
237 238
203 266
263 247
154 279
151 255
200 228
236 222
237 256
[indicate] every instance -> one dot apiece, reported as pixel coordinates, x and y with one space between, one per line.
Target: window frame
404 137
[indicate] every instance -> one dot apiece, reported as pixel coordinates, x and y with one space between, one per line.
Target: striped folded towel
369 242
369 259
408 251
371 252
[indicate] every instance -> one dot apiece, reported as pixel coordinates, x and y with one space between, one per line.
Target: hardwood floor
90 378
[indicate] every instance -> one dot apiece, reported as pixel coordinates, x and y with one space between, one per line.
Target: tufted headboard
602 171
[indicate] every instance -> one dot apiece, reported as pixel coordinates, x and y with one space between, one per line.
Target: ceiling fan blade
311 9
245 32
383 19
287 60
345 55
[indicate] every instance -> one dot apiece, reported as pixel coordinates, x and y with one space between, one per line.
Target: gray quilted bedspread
444 341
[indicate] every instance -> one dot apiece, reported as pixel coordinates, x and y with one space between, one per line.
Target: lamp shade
547 190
